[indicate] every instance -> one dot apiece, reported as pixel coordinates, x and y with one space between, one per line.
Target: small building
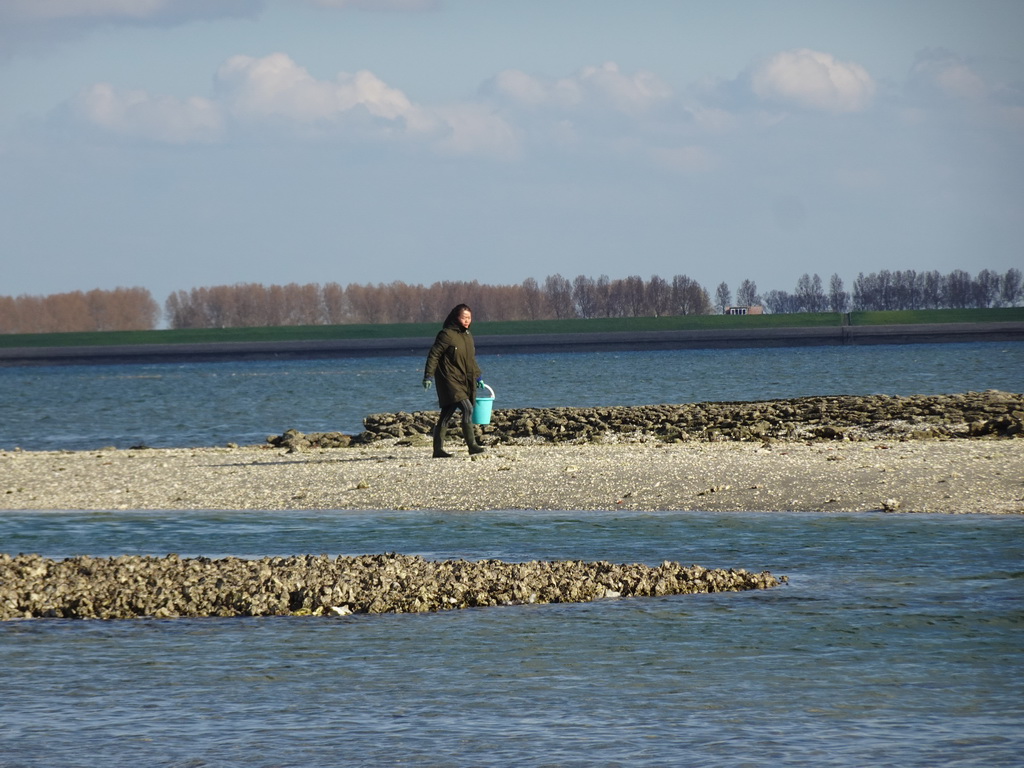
756 309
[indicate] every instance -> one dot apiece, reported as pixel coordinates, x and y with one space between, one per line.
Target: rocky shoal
130 586
989 414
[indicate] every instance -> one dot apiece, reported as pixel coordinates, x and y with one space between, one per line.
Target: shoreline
498 344
953 476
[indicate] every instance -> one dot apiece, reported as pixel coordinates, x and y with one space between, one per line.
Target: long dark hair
452 321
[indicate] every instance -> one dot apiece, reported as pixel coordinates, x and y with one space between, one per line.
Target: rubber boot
439 430
470 434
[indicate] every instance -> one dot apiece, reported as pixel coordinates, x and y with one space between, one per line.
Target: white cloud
137 114
275 86
275 92
630 94
938 75
526 91
813 80
960 81
598 111
472 129
943 86
603 87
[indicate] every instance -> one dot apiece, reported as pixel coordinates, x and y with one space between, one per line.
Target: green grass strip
917 316
524 327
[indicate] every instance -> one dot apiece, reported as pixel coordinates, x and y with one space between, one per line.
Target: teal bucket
482 408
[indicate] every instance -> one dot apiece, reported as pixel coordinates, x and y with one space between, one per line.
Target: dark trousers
466 406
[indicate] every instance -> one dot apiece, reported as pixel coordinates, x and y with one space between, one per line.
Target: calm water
214 403
897 642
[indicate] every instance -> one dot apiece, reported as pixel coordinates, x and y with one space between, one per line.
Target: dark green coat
452 363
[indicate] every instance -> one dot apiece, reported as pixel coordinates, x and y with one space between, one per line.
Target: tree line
900 289
253 304
557 297
120 309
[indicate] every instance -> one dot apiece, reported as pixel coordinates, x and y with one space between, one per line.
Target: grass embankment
914 316
596 325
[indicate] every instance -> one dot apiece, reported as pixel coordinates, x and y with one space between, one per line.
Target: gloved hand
479 383
427 383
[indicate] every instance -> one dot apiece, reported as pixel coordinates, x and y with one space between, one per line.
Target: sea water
896 642
197 404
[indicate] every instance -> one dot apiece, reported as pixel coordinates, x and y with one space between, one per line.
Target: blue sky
170 144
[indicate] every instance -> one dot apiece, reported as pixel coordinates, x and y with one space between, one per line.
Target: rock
990 414
131 586
296 441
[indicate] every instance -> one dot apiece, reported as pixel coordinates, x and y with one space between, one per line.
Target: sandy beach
943 476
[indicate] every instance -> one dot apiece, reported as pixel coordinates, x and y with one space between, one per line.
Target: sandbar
931 476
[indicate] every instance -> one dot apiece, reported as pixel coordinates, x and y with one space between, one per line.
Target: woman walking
452 362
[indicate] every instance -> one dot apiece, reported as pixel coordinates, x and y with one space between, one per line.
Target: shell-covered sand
945 476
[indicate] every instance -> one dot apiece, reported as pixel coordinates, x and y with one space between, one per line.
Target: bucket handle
488 388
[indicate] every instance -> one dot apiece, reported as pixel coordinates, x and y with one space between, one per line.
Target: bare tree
438 302
361 303
958 289
874 291
907 289
558 291
533 299
723 297
870 292
780 302
584 296
746 294
987 291
659 297
838 299
1010 287
68 312
253 304
120 309
180 312
689 297
603 294
933 288
618 304
903 289
8 314
335 306
810 293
